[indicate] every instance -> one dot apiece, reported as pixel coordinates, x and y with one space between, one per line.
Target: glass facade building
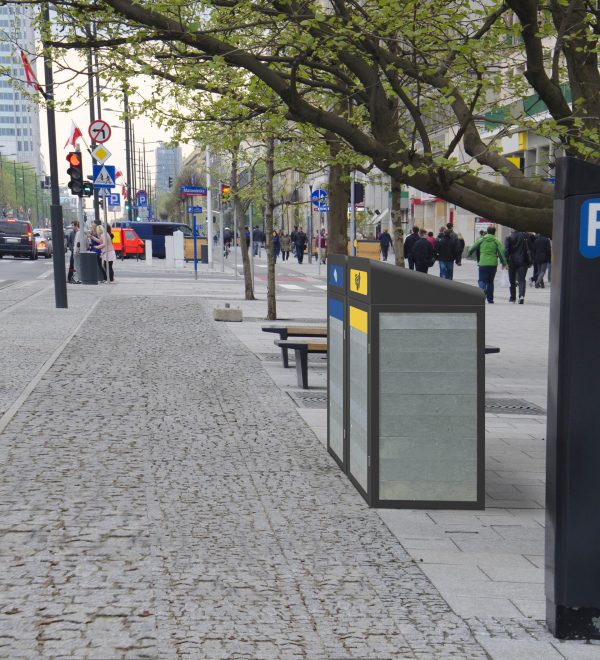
20 138
168 166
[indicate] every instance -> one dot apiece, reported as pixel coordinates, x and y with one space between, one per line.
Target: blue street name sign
103 176
194 209
192 190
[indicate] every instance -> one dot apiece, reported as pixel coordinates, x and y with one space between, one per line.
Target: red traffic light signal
75 173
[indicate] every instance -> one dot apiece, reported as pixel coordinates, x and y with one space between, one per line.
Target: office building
20 138
168 166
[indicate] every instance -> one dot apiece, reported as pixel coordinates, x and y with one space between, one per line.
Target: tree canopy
424 89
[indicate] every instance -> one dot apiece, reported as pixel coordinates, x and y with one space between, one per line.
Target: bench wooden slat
302 348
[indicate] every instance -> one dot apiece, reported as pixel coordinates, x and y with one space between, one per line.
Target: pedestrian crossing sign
104 176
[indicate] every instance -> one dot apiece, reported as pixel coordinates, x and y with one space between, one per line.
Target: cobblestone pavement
32 329
177 505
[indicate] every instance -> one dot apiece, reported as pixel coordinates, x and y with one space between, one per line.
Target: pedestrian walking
431 238
71 241
461 249
257 241
247 237
385 240
423 253
108 252
293 237
542 255
322 238
519 259
95 241
447 252
490 250
300 245
286 245
276 245
411 239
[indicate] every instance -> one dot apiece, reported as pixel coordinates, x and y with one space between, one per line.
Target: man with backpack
519 259
422 253
490 250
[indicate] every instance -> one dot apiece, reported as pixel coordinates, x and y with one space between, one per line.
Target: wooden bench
287 331
302 347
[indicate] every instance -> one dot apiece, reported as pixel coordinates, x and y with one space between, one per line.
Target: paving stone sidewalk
177 505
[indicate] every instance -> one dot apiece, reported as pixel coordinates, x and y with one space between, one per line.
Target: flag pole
56 215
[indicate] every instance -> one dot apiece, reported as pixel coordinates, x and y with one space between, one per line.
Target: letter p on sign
589 229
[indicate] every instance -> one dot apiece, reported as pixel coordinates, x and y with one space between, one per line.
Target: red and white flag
75 135
30 76
118 173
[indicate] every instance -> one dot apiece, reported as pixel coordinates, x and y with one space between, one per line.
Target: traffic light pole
56 216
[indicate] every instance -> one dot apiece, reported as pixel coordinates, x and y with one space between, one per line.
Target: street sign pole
56 216
209 218
195 247
310 229
235 224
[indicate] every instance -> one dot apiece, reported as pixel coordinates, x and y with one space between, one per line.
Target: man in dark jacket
385 240
411 239
447 252
422 253
518 256
542 255
293 236
300 244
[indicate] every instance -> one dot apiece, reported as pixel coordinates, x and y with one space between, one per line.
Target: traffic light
88 189
170 182
75 171
225 192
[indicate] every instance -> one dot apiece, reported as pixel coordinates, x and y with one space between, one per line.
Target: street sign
194 209
103 176
113 200
101 154
319 199
142 198
99 131
192 190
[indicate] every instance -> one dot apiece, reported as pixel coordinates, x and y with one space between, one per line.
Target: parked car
156 232
17 239
43 238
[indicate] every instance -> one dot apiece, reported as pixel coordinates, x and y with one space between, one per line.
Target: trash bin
204 254
89 268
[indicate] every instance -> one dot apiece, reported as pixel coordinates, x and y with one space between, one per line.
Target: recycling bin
413 385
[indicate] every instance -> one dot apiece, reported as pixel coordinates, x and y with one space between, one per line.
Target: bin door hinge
368 461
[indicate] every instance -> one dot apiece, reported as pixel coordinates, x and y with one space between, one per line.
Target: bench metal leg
302 368
284 357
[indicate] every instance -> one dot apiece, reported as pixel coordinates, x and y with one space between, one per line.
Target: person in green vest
490 250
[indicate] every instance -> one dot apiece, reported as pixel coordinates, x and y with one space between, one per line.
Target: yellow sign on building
359 319
359 282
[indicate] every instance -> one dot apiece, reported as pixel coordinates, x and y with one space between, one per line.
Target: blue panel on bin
336 309
336 276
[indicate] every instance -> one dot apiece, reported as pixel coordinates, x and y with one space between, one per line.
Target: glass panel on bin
428 406
358 321
336 377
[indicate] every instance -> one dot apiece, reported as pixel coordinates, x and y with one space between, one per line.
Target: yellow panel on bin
359 282
359 319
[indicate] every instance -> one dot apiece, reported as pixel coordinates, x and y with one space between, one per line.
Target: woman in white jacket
108 252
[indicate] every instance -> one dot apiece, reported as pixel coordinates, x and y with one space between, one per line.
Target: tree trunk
249 292
270 205
396 216
338 199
